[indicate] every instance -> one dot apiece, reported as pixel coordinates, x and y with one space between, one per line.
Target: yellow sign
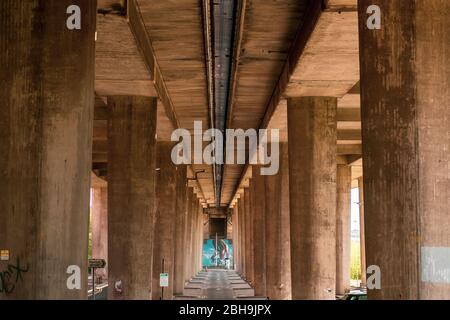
4 255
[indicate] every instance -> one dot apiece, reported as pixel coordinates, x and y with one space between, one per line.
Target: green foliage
355 264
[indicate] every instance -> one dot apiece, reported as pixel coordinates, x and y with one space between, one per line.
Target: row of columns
303 212
263 236
143 215
46 136
405 93
154 218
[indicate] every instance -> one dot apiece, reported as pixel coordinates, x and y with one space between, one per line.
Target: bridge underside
356 94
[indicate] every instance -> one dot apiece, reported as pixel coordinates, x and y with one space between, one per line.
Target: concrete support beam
312 186
47 95
278 262
405 95
165 221
100 228
343 221
181 215
258 208
131 196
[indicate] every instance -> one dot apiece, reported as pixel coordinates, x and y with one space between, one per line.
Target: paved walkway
217 286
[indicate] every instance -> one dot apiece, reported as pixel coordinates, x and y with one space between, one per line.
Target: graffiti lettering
11 276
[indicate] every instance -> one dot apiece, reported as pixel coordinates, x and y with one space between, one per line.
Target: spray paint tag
4 255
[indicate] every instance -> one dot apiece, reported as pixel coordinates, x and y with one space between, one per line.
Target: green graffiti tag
11 276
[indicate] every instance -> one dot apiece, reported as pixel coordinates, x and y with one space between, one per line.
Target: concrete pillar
278 265
258 205
165 221
405 96
362 234
312 188
181 214
188 234
200 237
47 95
234 222
100 228
241 237
195 240
343 221
194 227
131 196
249 264
198 246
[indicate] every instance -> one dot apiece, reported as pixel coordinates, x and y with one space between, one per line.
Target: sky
355 214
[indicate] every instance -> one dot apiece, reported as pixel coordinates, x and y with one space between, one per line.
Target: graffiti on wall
12 275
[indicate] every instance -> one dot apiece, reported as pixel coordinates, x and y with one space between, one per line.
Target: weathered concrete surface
312 188
241 236
241 232
198 236
405 92
249 242
47 94
181 214
343 221
236 248
278 249
165 221
258 207
100 227
188 235
131 195
194 237
329 64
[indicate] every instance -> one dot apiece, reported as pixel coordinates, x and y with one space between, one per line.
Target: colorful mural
220 256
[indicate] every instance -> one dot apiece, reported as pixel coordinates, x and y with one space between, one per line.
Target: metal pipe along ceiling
224 16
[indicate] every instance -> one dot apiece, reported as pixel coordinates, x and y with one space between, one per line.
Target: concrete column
312 188
181 214
195 243
236 240
200 237
100 228
405 96
362 234
343 221
131 196
165 221
234 225
194 230
188 234
258 204
47 95
278 267
241 231
249 265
